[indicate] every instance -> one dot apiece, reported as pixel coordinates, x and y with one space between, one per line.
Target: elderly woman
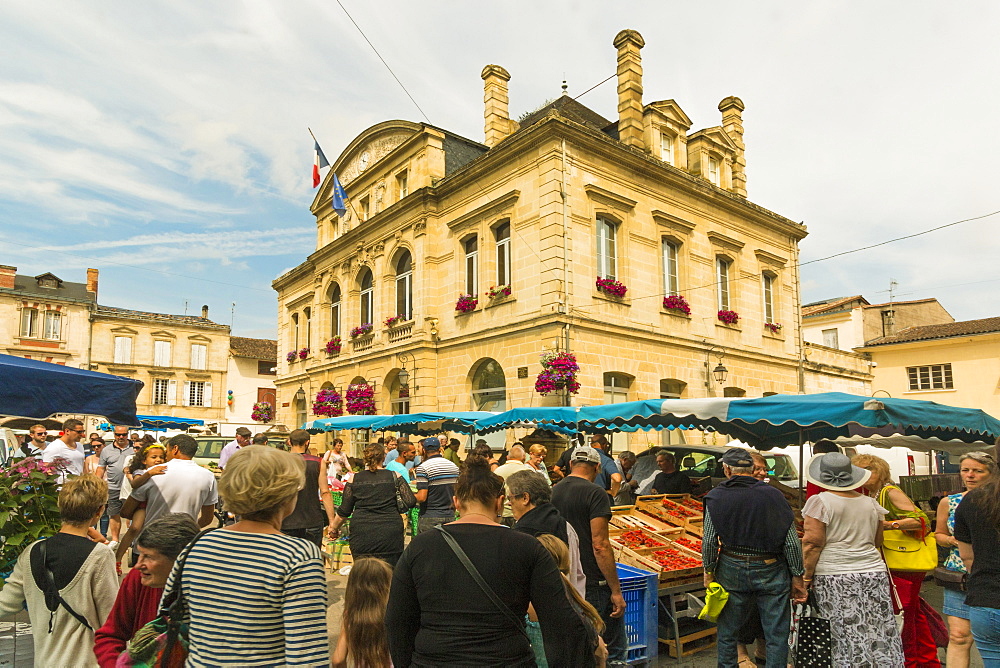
438 615
138 601
83 579
918 644
844 568
255 596
976 469
536 460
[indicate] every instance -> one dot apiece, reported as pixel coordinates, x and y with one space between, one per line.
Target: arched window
489 387
366 284
404 286
399 396
335 310
471 248
607 248
734 392
502 234
616 387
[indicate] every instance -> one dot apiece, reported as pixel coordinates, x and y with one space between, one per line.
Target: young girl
145 465
336 464
362 633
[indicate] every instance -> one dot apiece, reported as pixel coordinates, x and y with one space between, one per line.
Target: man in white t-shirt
68 448
514 463
186 487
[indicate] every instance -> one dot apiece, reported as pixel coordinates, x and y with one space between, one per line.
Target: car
703 464
209 449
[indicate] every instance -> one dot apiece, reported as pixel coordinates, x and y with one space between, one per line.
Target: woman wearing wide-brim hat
844 567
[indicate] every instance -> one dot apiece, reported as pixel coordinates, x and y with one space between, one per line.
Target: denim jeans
769 584
986 632
599 596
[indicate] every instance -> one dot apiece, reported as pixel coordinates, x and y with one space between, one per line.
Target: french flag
318 162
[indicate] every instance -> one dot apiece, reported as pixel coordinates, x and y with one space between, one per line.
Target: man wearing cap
751 548
587 508
242 440
436 478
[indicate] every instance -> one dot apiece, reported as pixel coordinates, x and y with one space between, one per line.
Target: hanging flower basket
466 303
729 317
612 287
773 327
291 357
676 303
404 392
361 330
328 403
394 320
498 292
304 353
263 411
360 399
29 489
558 373
332 346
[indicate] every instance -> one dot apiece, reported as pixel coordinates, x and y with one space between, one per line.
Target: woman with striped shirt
255 596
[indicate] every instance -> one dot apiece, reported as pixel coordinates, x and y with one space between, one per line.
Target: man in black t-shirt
314 509
669 480
587 508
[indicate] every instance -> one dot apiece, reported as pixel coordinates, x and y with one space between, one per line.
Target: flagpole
347 198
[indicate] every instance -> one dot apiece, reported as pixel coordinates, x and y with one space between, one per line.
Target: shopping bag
811 638
715 600
939 630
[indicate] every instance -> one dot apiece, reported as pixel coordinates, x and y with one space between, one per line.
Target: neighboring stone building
182 359
544 208
46 318
847 323
250 377
955 363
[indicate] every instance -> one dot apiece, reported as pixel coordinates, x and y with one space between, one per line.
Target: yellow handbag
902 551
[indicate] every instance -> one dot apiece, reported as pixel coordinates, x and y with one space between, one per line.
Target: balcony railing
363 342
400 332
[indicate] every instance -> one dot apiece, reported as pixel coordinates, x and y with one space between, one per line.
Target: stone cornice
612 199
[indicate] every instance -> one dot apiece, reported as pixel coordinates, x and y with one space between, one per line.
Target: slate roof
829 305
146 316
943 331
28 286
259 349
574 111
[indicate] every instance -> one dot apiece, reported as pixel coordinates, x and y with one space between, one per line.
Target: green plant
29 491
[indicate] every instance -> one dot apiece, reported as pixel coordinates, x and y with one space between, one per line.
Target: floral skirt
859 607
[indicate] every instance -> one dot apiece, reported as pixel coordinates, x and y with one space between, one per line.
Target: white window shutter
207 402
171 392
186 399
127 350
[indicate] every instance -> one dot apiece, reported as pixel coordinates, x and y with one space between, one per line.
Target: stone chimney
498 123
7 276
628 43
204 311
732 122
92 281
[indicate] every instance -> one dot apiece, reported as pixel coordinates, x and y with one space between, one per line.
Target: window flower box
304 353
263 411
611 287
773 327
394 320
291 357
558 373
677 304
332 346
328 403
728 317
497 292
361 330
360 399
466 303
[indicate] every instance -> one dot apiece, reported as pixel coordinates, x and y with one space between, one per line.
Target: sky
166 144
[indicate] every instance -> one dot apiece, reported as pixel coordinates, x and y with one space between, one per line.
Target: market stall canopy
35 389
426 424
163 422
343 422
561 419
952 446
780 420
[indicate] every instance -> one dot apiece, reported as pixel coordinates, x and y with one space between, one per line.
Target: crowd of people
254 589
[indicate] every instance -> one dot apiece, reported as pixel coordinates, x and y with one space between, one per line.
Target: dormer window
713 170
666 148
48 281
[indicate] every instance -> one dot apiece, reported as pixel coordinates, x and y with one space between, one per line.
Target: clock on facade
363 161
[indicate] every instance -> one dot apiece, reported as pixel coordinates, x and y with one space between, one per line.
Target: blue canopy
163 422
562 419
780 420
35 389
343 422
425 424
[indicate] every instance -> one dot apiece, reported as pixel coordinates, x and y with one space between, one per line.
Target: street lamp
404 375
719 372
300 395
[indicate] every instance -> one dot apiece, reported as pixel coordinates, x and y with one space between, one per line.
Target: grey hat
834 470
738 458
585 453
431 443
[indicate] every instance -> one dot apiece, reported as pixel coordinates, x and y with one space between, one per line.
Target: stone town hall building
547 206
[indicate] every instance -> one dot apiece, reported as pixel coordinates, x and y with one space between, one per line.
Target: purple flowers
262 412
728 317
360 399
558 373
291 357
611 287
676 303
361 330
328 403
332 346
466 303
773 327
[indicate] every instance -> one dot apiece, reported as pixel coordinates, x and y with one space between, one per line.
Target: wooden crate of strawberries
674 563
630 518
668 510
641 539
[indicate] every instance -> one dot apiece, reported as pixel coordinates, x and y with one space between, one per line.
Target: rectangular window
667 148
365 208
722 267
160 390
53 325
199 356
713 170
607 249
123 350
196 393
932 377
265 368
831 338
30 323
670 283
503 254
472 266
767 287
402 185
335 318
161 353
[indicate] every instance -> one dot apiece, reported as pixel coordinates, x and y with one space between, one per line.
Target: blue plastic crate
639 589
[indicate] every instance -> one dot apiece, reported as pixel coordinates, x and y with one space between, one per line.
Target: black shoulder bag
487 589
53 599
